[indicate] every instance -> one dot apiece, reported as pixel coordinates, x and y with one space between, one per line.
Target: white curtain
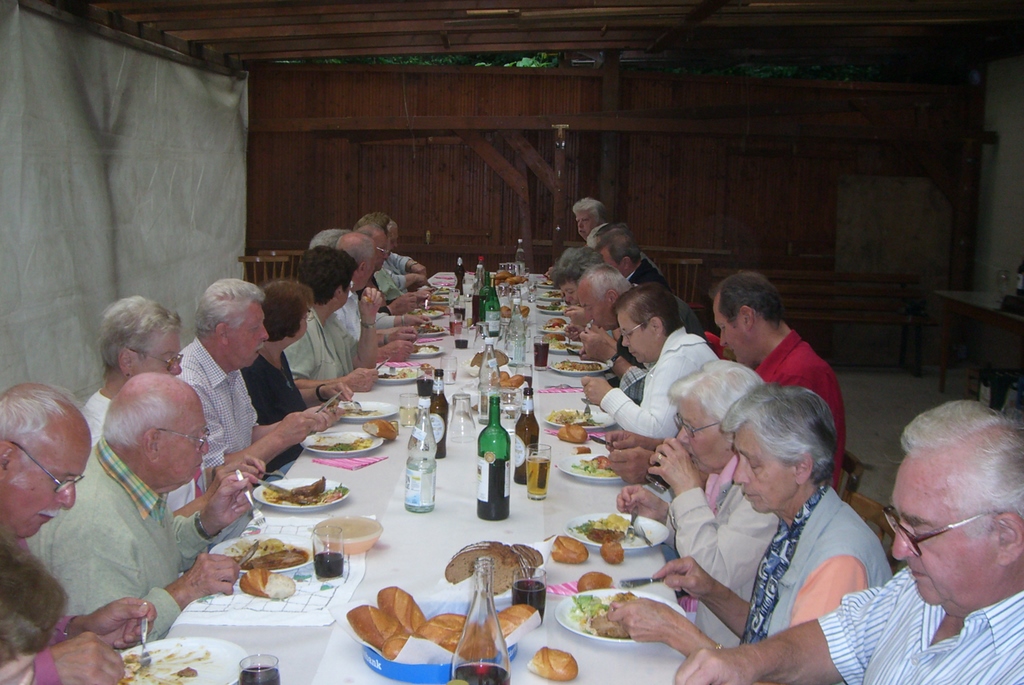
121 173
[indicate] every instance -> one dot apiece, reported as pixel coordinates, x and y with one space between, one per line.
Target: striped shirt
146 500
226 405
883 635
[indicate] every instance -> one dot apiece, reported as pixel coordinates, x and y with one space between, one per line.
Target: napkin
400 365
350 464
563 588
593 434
425 340
546 390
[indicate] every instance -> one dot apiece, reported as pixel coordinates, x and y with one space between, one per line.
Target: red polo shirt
793 362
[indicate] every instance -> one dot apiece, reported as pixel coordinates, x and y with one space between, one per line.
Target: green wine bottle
493 469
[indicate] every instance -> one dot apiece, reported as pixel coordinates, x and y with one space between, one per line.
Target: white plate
555 329
600 419
242 545
551 312
565 347
402 375
311 442
215 661
431 313
545 285
657 532
565 372
566 466
428 352
288 483
551 296
567 622
381 410
440 332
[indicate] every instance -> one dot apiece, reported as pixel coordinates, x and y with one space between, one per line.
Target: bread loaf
263 583
553 664
443 630
612 552
573 433
400 605
372 625
514 616
381 429
508 559
393 645
568 551
595 580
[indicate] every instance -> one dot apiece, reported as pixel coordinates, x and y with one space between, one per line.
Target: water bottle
421 464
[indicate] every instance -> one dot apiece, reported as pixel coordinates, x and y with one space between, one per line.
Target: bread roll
506 312
381 429
572 433
372 625
263 583
553 664
443 630
565 550
595 580
524 310
399 604
513 617
393 645
582 450
611 551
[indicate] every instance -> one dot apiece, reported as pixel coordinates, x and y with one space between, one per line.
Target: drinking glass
328 550
408 404
511 403
451 369
463 426
538 468
530 587
259 669
540 352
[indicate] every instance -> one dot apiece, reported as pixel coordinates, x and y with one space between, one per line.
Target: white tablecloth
415 548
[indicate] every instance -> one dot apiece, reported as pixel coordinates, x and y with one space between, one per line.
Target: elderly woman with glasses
785 439
652 330
712 522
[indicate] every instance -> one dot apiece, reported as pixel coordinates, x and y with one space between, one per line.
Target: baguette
595 580
443 630
568 551
514 616
393 645
381 429
570 432
263 583
553 664
400 605
372 625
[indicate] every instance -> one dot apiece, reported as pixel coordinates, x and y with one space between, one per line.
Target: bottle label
417 434
508 477
482 465
438 424
413 488
519 451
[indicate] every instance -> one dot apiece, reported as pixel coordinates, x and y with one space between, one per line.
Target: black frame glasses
914 541
59 485
169 362
690 430
198 441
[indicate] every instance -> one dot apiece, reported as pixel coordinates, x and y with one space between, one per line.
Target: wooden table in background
981 307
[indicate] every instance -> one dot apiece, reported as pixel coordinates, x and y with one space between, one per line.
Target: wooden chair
294 257
873 514
259 269
849 480
681 275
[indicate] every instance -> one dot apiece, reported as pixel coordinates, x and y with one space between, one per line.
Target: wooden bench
853 298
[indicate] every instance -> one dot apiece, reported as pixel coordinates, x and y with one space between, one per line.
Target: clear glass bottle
516 337
481 657
421 464
489 382
520 259
439 414
460 275
493 469
527 433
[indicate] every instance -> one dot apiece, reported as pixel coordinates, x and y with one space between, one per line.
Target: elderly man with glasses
956 613
121 539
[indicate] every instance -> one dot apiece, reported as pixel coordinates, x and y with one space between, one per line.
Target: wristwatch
614 357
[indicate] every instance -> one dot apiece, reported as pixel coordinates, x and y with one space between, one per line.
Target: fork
258 519
144 658
631 530
586 412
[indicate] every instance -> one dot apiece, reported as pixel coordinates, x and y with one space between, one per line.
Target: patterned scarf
773 567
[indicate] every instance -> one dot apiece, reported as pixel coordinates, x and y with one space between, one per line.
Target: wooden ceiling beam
695 17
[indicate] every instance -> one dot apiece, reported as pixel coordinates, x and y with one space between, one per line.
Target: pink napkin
595 434
428 340
563 589
351 464
399 365
546 390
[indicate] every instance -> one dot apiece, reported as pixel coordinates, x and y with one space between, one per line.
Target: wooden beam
496 161
537 164
611 101
698 14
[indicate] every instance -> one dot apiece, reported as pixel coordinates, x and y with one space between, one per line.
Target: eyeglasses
60 485
626 334
382 250
914 541
198 441
690 430
170 362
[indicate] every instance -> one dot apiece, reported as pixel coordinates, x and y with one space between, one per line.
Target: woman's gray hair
789 422
31 407
994 480
605 277
327 237
130 323
225 302
127 422
592 207
715 387
571 266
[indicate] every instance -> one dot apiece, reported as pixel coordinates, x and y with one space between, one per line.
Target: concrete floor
879 403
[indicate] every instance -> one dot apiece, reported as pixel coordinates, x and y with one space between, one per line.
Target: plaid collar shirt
148 502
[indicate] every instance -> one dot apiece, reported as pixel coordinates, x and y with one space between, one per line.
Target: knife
599 441
275 488
249 554
630 583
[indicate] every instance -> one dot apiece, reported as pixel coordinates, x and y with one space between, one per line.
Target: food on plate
425 349
552 338
163 661
263 583
513 381
595 580
443 630
432 312
592 614
572 433
439 297
563 417
315 494
553 664
507 560
271 554
393 645
400 605
372 625
187 672
611 551
581 450
516 615
396 374
556 322
327 443
552 307
429 329
611 527
381 429
579 366
598 467
351 412
564 345
565 550
498 354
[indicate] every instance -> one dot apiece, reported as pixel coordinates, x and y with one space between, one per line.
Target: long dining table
414 549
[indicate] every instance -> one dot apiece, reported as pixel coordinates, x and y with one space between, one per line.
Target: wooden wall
741 172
